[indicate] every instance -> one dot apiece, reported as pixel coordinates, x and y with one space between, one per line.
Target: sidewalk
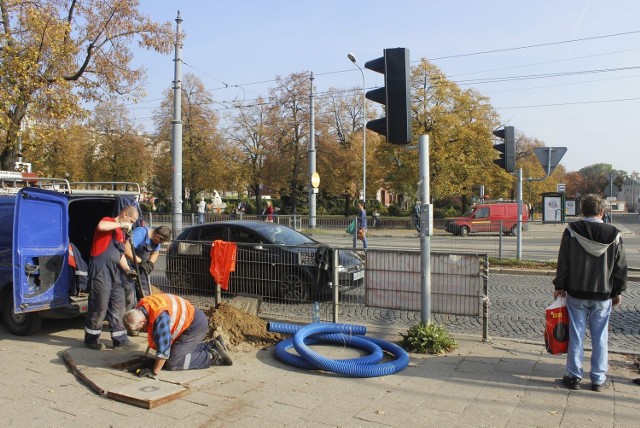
500 383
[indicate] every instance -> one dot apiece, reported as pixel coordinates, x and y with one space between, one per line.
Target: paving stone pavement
501 383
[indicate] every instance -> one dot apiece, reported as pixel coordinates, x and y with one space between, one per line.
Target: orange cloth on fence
223 262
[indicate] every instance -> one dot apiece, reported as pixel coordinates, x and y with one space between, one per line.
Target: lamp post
352 58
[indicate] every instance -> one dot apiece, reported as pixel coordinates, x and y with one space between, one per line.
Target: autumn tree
117 152
57 148
339 144
55 54
596 177
249 133
204 160
288 136
458 123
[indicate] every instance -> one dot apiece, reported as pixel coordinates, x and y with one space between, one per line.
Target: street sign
561 187
549 157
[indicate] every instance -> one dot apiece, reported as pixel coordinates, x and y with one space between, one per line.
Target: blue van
38 226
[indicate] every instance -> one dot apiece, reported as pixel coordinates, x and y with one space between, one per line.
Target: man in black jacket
592 272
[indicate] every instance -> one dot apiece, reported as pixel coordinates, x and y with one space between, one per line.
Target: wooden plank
148 393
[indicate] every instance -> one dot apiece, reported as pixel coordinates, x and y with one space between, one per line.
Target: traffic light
507 149
395 95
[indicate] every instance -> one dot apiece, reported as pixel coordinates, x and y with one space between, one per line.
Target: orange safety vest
180 310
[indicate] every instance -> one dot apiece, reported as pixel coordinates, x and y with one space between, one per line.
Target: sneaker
96 346
601 387
127 346
571 382
219 354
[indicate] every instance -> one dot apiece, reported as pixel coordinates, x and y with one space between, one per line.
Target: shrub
428 339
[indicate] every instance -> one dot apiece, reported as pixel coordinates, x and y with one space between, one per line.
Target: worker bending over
175 329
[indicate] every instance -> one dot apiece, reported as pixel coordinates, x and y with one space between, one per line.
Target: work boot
219 354
96 346
127 346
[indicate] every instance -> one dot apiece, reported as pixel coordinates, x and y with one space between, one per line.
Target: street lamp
352 58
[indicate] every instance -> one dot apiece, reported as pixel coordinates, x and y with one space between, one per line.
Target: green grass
524 264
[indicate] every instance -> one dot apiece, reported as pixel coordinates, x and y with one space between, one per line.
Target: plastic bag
351 229
556 332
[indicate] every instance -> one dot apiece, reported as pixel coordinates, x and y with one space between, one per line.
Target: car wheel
292 287
514 230
179 278
464 230
23 324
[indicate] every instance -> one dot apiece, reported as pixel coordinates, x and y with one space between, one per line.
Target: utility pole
176 135
312 160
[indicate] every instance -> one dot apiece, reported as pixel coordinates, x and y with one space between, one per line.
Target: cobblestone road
517 311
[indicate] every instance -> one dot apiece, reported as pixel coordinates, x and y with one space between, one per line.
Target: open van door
40 242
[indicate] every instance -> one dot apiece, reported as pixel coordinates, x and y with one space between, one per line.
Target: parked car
489 217
272 260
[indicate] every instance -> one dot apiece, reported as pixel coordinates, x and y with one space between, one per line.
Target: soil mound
242 331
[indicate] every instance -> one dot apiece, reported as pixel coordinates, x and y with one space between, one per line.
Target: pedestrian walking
361 226
592 273
201 207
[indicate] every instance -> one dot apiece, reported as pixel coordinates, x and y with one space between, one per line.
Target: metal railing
540 241
351 286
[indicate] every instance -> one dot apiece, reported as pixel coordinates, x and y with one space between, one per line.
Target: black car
272 261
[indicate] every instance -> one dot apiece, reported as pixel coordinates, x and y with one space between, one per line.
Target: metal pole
425 230
312 159
176 138
364 130
519 237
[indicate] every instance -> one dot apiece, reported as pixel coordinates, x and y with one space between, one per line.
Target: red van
489 217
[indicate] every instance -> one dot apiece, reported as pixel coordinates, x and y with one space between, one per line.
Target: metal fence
371 288
539 240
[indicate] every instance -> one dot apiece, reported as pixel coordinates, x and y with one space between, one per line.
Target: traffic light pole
519 237
426 218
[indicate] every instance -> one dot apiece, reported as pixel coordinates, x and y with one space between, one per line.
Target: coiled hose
367 366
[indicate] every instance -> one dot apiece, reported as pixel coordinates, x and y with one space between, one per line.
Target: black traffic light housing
395 95
507 149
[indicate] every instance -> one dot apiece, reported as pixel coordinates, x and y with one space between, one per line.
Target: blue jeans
596 313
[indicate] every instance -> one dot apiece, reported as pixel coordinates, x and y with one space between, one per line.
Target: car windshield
281 235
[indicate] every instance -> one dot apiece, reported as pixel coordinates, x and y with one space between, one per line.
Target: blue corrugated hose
367 366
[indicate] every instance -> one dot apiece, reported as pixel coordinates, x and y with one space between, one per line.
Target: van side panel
7 205
40 243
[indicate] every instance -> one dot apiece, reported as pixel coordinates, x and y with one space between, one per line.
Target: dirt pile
242 331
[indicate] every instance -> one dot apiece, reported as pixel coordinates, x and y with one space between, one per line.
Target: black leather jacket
591 263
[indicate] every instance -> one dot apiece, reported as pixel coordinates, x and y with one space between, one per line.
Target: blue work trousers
188 351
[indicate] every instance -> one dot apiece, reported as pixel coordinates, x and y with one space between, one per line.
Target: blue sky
242 42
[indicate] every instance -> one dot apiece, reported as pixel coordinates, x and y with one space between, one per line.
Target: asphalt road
539 241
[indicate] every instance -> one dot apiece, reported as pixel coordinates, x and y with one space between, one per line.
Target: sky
564 72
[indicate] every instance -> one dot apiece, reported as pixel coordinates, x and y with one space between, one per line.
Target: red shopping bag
556 332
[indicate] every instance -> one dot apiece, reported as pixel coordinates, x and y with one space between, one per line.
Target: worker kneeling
175 329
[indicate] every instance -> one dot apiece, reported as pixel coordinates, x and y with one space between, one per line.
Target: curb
535 272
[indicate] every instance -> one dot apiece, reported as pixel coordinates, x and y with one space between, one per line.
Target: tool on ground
76 371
